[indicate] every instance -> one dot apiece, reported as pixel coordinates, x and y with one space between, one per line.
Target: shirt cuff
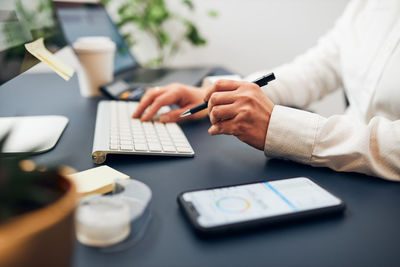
291 134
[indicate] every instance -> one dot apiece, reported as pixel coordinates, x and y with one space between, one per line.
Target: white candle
102 221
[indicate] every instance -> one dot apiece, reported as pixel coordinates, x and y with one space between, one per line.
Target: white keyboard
117 133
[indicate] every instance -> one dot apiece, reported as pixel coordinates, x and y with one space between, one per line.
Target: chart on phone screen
251 201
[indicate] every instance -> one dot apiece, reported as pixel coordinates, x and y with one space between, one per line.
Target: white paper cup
96 55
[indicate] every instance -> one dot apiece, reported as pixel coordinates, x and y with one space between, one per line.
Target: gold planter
43 237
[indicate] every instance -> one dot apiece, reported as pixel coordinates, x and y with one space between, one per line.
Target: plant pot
43 237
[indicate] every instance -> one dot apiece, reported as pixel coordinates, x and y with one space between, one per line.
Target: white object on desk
96 54
117 133
36 134
103 221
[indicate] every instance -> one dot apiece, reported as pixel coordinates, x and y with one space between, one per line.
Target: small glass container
103 221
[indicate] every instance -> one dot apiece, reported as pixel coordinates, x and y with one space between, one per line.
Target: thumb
173 115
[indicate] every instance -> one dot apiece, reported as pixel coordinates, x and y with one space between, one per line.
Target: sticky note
98 180
38 50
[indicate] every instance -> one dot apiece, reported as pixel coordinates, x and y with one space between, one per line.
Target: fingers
221 98
222 113
222 85
160 101
146 100
223 127
175 93
172 116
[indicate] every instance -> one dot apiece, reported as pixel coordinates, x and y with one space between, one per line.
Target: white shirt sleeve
339 142
309 77
314 74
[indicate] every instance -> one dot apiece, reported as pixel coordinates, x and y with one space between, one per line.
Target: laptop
91 19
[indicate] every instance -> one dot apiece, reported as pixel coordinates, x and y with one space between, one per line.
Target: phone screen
221 206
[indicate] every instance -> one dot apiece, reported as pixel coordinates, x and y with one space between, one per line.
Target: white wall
249 35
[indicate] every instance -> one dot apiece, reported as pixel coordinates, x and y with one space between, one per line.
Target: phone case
191 214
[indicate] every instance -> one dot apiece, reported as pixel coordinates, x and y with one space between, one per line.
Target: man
360 54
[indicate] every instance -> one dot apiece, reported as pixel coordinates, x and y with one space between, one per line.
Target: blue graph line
280 195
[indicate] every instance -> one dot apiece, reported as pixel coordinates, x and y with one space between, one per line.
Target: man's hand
240 109
182 95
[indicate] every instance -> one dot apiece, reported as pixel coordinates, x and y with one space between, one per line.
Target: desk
368 234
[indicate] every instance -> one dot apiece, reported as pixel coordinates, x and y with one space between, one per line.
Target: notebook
100 180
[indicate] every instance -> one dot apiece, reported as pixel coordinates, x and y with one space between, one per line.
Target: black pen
260 82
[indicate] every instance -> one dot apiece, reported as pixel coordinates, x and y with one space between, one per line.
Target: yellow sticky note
98 180
38 50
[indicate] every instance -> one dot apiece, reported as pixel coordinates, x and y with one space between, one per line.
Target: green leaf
213 13
149 16
164 38
189 4
129 39
155 62
127 20
193 35
122 9
105 2
157 13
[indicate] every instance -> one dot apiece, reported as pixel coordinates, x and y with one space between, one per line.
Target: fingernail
211 130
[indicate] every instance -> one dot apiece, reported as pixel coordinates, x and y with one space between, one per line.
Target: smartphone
221 209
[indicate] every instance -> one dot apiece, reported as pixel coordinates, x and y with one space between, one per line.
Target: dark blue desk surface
368 234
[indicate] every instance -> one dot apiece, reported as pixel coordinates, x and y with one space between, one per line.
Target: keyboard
117 133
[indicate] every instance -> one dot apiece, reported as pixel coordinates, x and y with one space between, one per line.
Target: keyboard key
167 143
155 143
155 148
184 149
158 124
168 148
125 137
182 144
128 134
140 147
178 139
127 147
114 139
114 147
138 134
165 138
152 140
140 141
126 142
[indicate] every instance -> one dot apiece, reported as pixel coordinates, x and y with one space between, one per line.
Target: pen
260 82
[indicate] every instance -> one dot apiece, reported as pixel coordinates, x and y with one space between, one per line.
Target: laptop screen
78 20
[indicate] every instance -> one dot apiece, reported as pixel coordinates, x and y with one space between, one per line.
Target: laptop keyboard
131 136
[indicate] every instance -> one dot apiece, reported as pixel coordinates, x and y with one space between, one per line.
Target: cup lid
93 44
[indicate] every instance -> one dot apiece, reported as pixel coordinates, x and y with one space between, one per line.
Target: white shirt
362 55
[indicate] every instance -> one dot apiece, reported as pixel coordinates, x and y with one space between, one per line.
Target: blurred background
251 35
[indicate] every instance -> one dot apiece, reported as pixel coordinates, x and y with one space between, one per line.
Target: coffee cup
96 54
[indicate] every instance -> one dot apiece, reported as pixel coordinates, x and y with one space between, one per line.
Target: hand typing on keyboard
117 133
182 95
